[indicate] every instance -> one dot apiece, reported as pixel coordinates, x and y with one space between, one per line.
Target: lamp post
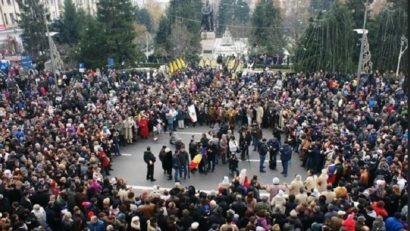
53 63
361 48
403 48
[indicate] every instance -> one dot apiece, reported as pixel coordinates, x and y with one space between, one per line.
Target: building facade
9 10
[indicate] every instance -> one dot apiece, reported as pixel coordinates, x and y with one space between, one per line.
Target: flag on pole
195 162
170 68
183 63
174 66
179 64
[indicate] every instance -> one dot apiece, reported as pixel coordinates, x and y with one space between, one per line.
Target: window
5 19
12 20
9 2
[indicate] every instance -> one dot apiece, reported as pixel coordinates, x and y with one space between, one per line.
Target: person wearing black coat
186 220
149 159
167 162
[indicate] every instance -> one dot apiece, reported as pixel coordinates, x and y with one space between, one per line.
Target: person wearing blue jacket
285 156
95 224
394 223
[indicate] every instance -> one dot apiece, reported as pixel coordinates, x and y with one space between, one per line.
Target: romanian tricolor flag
195 162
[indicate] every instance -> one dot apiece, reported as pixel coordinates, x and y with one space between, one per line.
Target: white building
9 10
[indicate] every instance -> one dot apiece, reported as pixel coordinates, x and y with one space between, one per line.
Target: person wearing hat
194 226
167 161
360 224
274 189
378 224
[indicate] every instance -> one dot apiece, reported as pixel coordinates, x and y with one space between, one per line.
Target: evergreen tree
187 13
328 43
90 44
31 20
117 33
162 44
384 36
234 13
317 6
267 33
70 31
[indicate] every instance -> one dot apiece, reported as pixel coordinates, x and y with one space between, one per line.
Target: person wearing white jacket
279 201
321 181
40 215
233 145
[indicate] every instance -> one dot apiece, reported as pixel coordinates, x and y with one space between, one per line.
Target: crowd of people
59 134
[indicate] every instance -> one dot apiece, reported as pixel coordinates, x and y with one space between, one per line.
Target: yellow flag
183 63
179 64
213 63
201 63
174 65
170 68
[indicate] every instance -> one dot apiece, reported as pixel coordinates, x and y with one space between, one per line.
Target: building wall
9 10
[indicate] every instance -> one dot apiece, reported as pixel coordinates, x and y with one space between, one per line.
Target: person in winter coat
285 156
275 188
233 146
167 162
321 181
378 207
310 182
378 224
296 185
395 223
279 201
349 224
96 224
40 214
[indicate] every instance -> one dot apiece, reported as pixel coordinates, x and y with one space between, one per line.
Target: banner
110 62
26 62
81 67
192 113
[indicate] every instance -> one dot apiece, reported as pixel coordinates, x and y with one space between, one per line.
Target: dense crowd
59 133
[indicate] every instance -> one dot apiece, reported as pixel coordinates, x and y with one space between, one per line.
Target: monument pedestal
207 43
206 35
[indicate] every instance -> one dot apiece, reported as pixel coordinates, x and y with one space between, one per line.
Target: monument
207 23
207 29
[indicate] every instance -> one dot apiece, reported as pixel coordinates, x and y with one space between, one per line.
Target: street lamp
403 48
361 47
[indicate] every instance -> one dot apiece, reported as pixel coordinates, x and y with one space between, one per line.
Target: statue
207 23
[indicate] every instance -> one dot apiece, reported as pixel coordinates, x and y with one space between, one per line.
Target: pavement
130 165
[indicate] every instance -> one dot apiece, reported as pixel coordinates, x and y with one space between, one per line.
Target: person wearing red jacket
350 223
378 207
105 162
